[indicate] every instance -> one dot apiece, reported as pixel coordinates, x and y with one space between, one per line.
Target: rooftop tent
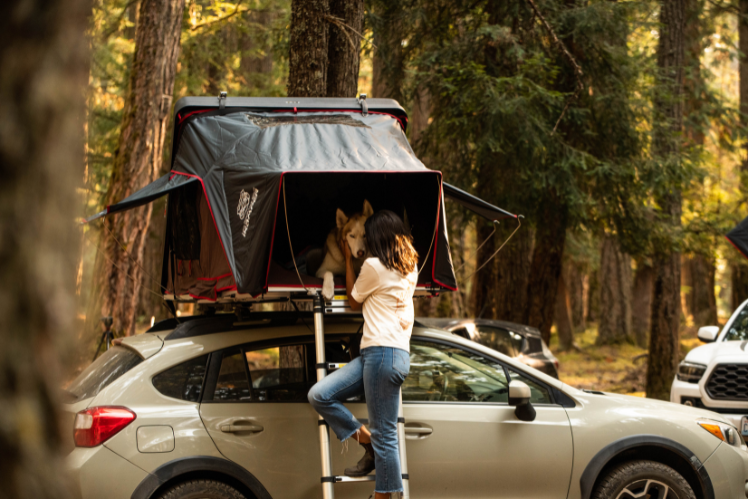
739 237
255 184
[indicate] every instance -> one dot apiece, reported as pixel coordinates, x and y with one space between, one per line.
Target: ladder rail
324 431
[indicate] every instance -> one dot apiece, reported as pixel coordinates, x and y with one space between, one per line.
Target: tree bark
344 48
563 317
593 296
388 61
739 278
545 270
615 294
44 60
574 280
701 301
307 72
664 338
739 266
139 157
642 303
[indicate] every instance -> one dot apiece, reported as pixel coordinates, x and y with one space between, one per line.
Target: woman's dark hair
390 242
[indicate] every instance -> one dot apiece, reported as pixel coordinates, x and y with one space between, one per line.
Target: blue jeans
378 373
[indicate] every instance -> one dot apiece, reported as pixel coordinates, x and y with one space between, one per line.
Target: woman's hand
345 248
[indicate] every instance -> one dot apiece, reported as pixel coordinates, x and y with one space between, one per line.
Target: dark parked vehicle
518 341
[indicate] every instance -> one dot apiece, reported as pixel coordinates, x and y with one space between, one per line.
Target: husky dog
350 229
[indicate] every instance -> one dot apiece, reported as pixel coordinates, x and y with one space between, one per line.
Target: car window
278 373
498 339
538 393
446 373
184 381
106 369
232 383
739 328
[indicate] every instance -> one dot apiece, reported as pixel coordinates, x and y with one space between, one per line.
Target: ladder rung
349 479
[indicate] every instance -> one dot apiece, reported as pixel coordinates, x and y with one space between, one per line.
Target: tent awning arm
475 204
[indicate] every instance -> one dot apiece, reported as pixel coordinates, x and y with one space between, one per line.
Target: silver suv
216 406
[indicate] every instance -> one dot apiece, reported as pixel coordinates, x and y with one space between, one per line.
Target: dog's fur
351 229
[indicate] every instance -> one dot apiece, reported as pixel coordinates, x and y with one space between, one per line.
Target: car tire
643 479
202 488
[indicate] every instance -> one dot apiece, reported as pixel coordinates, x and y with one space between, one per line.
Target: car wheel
202 488
643 479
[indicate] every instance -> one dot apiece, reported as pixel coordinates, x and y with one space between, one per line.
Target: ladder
328 479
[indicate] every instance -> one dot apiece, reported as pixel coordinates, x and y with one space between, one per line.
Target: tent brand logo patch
245 206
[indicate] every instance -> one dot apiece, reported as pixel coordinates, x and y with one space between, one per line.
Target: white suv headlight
690 372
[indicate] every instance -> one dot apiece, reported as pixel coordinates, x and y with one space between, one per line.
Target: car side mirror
519 397
708 333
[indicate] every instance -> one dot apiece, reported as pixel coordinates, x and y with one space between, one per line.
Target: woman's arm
350 276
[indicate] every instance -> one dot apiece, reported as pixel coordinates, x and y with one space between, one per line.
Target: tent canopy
238 165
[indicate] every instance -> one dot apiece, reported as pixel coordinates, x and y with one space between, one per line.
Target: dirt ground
618 368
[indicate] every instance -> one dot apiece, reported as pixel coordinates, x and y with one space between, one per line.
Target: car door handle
242 428
417 431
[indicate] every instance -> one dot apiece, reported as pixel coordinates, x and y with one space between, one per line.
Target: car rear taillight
95 425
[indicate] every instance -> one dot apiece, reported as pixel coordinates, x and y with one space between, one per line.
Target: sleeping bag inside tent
255 185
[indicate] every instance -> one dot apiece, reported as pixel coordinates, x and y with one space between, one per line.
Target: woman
384 291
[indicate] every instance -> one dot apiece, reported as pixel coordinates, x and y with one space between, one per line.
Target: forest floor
618 368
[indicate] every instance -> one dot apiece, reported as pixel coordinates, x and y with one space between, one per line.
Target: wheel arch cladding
648 447
201 467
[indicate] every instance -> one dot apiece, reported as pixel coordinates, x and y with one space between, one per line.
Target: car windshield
739 328
106 369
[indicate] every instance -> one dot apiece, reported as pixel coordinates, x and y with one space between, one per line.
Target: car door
463 439
256 410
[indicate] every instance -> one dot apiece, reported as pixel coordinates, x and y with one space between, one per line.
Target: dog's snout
360 253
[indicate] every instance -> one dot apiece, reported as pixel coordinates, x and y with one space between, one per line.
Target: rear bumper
100 473
728 470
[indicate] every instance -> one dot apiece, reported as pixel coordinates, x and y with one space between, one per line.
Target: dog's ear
341 218
368 211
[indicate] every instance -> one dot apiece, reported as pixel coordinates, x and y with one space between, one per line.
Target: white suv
715 376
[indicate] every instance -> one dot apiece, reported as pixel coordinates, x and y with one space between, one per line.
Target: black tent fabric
739 237
241 169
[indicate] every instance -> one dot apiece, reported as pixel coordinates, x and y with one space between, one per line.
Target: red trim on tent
205 193
736 247
215 278
436 237
275 222
194 113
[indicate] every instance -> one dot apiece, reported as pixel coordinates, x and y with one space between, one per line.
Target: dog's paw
328 287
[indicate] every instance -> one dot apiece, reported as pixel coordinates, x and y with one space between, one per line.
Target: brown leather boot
365 465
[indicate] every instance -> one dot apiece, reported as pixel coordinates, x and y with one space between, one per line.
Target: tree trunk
739 266
615 294
739 278
388 62
545 269
512 273
702 302
664 341
307 71
43 73
593 296
574 280
642 303
139 156
563 317
344 48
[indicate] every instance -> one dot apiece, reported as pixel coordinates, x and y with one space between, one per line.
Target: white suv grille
728 382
